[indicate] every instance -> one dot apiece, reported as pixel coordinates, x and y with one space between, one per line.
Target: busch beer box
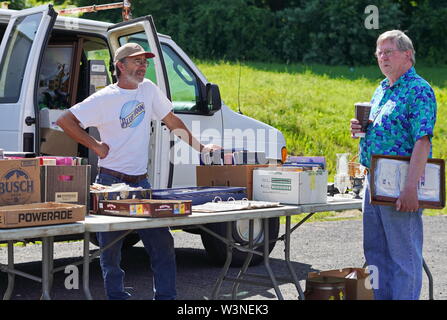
145 208
40 214
19 181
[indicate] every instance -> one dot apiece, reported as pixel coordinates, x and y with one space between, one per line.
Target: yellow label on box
140 209
66 197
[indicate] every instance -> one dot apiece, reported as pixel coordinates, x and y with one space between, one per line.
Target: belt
122 176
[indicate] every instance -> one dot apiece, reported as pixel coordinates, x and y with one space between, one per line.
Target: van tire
216 249
129 241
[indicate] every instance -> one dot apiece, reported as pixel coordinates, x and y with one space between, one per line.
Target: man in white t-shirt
122 112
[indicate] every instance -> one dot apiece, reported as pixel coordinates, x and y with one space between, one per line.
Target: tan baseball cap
130 50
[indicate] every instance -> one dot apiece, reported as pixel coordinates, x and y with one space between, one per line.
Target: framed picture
388 175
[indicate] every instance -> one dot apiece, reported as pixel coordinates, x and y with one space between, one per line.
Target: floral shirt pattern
400 115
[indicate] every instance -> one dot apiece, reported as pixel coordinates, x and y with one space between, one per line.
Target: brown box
97 196
355 288
19 181
56 142
145 208
230 176
40 214
66 184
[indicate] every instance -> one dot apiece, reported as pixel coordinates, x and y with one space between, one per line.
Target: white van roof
69 23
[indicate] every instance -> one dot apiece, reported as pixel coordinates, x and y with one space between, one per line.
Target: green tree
329 32
23 4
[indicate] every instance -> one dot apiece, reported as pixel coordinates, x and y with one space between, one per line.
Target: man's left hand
408 200
210 147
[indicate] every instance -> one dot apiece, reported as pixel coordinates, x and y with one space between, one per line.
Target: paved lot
316 246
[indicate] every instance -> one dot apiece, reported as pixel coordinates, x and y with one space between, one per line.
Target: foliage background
287 31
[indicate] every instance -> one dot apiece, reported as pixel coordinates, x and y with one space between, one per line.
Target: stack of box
35 193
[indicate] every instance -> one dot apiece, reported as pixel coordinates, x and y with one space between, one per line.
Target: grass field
312 105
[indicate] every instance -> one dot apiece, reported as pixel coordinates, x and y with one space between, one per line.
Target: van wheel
216 249
129 241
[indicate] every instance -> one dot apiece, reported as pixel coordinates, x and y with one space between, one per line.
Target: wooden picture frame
387 177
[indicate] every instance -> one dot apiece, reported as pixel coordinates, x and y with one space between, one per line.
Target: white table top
103 223
41 231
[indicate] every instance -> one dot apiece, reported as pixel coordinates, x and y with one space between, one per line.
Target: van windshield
18 47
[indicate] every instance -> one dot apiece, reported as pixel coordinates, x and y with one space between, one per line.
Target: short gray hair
402 41
117 70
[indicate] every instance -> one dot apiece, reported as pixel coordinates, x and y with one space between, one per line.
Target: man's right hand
356 127
102 149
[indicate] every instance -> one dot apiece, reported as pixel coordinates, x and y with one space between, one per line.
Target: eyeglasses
140 62
387 53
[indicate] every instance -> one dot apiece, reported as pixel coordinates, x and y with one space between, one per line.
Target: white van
49 63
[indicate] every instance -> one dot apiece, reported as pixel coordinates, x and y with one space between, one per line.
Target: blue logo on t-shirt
132 113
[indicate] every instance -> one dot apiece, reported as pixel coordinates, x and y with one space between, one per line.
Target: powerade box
200 195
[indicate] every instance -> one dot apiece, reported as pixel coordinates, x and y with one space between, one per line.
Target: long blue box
200 195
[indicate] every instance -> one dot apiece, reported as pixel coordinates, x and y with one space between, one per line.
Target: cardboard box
48 118
145 208
97 197
66 184
19 181
289 186
39 214
356 289
55 142
230 176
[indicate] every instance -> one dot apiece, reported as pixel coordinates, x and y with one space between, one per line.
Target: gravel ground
315 246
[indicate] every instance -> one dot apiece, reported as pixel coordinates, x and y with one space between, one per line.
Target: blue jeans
159 244
392 242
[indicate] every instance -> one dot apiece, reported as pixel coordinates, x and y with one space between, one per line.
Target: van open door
142 31
21 53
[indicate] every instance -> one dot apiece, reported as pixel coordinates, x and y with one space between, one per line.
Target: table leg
267 261
289 264
86 267
51 264
226 266
11 276
47 242
430 280
246 262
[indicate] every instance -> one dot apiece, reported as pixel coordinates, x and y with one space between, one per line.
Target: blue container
200 195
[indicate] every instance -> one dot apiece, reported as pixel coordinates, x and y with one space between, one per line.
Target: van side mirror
213 101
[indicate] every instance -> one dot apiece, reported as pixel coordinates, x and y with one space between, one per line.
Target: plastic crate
200 195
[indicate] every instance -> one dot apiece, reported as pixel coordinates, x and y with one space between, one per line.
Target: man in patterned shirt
402 121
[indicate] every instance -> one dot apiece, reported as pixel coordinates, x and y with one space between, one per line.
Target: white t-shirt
123 119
